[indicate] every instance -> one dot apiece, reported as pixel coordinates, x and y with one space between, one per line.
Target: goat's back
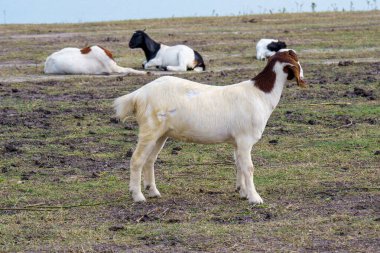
73 61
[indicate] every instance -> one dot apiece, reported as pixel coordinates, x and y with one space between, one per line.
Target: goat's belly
199 135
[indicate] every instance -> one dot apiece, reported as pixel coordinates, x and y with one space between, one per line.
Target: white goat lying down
265 48
174 58
194 112
89 60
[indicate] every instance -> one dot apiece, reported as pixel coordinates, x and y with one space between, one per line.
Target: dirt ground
64 158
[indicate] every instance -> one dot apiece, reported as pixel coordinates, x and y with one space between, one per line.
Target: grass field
64 161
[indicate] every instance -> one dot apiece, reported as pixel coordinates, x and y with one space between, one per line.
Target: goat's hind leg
133 71
240 183
148 169
144 148
181 64
176 68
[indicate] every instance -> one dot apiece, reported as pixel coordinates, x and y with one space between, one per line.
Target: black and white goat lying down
171 58
194 112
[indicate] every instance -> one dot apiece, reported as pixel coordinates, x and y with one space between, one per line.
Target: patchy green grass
64 162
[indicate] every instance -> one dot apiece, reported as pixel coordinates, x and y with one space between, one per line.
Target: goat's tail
124 106
199 63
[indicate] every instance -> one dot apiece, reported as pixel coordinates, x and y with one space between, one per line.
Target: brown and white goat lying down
194 112
93 60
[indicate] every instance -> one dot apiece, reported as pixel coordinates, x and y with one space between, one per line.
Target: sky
77 11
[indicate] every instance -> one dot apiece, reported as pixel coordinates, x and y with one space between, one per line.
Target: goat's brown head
293 66
266 78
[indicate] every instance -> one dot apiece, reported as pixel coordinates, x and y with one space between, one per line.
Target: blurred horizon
79 11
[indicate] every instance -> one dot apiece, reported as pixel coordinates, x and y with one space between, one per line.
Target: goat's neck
273 97
271 82
150 48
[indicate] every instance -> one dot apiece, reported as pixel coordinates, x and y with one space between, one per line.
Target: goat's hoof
255 200
154 193
139 197
237 189
243 194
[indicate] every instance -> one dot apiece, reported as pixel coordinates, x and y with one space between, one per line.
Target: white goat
89 60
174 58
194 112
265 48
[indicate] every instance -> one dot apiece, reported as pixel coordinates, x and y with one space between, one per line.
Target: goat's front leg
148 169
244 161
152 63
143 150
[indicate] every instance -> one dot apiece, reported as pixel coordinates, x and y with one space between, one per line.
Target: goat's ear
293 71
289 69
